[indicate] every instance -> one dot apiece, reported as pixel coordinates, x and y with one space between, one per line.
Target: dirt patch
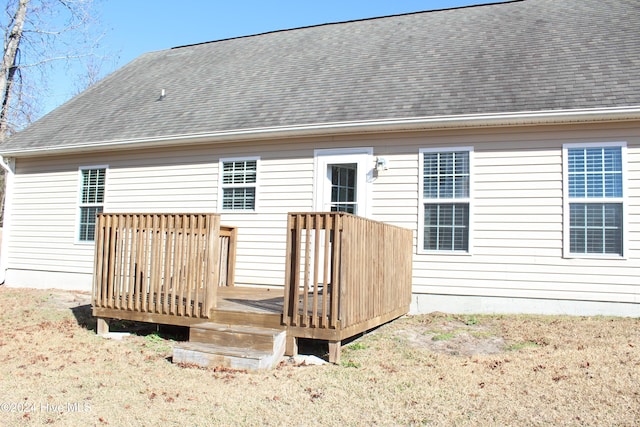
438 369
64 300
452 335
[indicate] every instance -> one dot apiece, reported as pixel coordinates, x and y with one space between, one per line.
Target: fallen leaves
401 380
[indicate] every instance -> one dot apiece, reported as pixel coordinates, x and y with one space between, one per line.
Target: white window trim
324 157
79 203
221 186
422 200
566 244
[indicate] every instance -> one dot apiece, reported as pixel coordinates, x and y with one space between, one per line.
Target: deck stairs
231 346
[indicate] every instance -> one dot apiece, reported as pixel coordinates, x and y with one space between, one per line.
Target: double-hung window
238 183
92 188
594 199
445 196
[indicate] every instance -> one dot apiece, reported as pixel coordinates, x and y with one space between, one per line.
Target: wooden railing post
336 271
231 257
327 267
98 276
292 266
227 255
212 275
318 225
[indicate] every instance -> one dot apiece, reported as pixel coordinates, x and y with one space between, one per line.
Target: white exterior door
342 180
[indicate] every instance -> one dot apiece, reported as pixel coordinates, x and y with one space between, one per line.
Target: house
505 136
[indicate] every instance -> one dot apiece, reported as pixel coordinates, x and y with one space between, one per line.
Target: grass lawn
436 369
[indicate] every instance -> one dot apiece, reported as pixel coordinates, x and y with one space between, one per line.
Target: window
238 184
594 189
343 188
92 185
445 195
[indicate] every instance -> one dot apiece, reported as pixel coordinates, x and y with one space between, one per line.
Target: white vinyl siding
445 199
149 183
516 233
594 189
239 182
45 225
45 214
517 226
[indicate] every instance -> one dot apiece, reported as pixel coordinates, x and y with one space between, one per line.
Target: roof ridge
373 18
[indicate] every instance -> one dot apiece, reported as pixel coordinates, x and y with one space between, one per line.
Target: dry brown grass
422 370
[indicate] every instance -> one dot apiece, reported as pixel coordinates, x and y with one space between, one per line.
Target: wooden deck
251 300
251 306
343 275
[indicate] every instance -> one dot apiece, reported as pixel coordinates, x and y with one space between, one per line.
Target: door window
343 187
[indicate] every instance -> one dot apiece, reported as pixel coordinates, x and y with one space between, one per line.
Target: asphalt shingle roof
531 55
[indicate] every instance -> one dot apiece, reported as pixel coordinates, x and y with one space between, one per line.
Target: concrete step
265 339
211 355
238 347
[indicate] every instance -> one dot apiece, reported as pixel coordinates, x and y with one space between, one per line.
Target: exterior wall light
381 164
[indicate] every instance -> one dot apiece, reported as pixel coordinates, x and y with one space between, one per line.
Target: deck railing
161 263
344 270
227 258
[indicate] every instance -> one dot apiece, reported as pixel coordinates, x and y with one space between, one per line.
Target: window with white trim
445 196
238 179
594 190
92 188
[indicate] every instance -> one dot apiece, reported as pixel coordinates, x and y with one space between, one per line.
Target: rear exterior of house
521 186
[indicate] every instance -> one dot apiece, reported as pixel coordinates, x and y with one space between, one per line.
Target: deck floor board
240 299
253 300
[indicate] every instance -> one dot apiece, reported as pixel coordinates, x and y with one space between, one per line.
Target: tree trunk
8 71
9 63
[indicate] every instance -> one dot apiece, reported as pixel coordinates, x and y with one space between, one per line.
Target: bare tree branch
10 63
37 34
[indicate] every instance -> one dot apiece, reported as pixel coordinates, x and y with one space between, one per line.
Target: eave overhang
549 117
